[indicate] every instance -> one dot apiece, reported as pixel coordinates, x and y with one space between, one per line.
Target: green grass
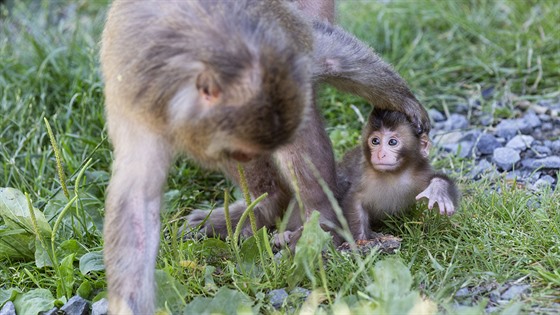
448 51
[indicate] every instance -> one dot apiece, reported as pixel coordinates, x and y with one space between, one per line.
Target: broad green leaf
15 212
14 244
66 269
8 295
392 292
34 301
85 289
70 246
170 292
308 251
91 262
391 279
226 301
42 257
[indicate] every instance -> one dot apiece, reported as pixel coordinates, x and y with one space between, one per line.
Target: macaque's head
248 106
391 143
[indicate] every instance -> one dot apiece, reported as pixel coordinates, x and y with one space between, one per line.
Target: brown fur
370 193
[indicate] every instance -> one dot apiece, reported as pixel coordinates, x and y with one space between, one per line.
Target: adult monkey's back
219 81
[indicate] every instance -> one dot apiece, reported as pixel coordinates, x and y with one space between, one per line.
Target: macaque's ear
208 88
425 144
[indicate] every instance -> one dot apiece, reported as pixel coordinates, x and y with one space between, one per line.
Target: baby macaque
389 173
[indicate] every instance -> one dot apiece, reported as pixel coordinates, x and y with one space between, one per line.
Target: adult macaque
389 172
221 82
343 61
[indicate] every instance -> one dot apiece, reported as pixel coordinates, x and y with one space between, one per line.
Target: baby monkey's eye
393 142
375 141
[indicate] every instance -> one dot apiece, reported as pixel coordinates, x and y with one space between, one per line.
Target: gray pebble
486 120
471 135
100 307
463 149
544 182
532 119
547 126
76 306
487 93
466 149
277 297
516 175
544 117
447 138
436 115
455 122
520 142
514 291
510 127
482 167
505 158
555 146
463 292
464 108
8 309
547 162
487 144
494 295
52 311
542 150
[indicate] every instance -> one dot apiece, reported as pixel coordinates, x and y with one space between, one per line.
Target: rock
494 295
436 115
464 108
455 122
100 307
8 309
516 175
555 146
520 142
447 138
510 127
542 150
463 149
482 167
532 119
547 162
547 126
471 135
505 158
487 93
487 144
544 182
76 306
463 292
514 291
544 117
277 297
486 120
52 311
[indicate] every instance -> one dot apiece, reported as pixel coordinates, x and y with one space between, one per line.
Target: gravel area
525 148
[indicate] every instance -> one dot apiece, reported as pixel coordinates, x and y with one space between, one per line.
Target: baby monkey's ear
425 144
